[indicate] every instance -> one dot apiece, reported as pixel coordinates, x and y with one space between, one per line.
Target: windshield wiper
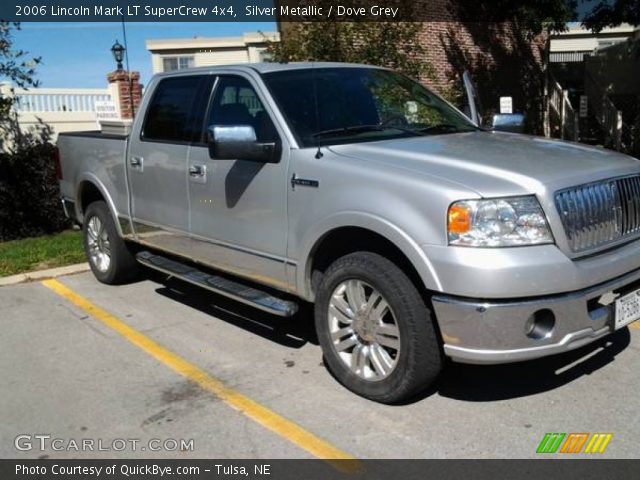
439 128
443 128
362 129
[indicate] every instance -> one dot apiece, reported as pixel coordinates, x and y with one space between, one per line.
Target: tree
541 18
610 14
533 23
394 45
19 68
16 65
552 15
29 192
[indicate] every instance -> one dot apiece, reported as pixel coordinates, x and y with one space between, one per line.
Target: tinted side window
236 103
176 110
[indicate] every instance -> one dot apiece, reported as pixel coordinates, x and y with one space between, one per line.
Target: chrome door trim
138 224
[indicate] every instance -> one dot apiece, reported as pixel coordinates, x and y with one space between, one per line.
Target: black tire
419 359
122 265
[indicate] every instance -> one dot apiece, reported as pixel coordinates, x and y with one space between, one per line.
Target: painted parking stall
260 414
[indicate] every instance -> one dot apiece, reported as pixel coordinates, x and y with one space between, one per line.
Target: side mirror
239 142
508 122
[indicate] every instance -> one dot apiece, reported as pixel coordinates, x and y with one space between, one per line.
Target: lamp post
118 54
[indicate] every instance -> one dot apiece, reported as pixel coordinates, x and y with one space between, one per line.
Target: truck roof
267 67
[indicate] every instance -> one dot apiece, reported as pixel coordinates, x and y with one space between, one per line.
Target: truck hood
495 163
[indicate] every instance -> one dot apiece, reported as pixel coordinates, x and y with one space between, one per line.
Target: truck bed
97 157
93 134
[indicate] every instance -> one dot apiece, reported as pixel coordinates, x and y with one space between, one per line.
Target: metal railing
62 109
564 112
606 113
59 100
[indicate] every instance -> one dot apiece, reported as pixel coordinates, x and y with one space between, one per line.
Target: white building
63 109
574 43
179 53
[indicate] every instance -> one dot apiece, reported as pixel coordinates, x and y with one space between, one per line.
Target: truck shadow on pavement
293 332
485 383
475 383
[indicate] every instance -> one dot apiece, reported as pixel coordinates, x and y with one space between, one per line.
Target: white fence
606 112
59 100
566 116
64 109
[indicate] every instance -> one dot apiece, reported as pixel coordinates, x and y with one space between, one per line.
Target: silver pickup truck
417 234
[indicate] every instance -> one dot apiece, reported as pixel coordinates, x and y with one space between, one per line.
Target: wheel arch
91 189
348 233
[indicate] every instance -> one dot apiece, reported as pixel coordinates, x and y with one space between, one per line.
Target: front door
238 207
158 162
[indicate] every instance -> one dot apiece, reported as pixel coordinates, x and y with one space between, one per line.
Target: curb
42 274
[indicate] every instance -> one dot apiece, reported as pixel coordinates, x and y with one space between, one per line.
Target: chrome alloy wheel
98 243
363 329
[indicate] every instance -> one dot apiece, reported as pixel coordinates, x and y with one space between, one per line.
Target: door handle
197 170
136 162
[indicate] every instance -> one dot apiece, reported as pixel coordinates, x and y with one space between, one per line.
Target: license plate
627 309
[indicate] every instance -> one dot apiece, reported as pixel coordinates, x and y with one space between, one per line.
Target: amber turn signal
459 219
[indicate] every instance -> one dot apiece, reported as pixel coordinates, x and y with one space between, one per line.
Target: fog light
540 324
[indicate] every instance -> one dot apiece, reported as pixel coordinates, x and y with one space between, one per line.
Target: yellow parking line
635 324
260 414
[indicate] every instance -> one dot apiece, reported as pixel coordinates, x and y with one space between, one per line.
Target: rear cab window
176 110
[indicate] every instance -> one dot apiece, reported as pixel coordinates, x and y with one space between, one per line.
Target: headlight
498 222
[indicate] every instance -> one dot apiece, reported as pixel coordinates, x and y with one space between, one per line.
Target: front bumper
500 331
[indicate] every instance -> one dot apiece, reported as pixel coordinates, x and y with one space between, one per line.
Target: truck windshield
328 106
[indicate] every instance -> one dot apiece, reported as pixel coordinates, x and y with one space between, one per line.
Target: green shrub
29 192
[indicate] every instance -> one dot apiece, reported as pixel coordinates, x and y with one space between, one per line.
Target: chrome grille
600 213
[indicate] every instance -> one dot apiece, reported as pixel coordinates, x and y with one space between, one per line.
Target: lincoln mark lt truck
417 234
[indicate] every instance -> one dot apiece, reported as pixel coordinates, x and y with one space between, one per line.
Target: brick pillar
126 89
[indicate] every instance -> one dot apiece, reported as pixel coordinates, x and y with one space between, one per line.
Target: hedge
29 193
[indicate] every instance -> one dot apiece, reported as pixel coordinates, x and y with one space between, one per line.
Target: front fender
375 224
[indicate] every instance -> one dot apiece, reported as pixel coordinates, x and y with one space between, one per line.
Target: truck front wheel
377 334
109 258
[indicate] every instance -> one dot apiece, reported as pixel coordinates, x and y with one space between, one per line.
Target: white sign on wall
584 106
506 105
106 110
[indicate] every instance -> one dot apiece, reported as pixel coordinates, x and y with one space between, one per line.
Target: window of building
606 43
174 115
170 64
265 56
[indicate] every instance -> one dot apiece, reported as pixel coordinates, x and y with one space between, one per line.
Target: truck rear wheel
377 334
109 258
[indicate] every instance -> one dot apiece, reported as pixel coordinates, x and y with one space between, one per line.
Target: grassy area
29 254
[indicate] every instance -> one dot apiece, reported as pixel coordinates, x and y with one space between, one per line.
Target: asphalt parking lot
158 359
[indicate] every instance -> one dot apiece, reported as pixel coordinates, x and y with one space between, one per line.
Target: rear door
157 162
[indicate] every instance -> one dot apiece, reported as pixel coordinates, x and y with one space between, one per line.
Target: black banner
254 10
586 469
